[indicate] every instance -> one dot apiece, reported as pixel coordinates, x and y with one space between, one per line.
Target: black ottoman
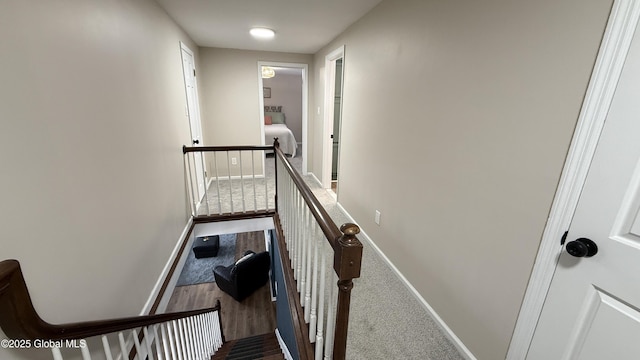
206 246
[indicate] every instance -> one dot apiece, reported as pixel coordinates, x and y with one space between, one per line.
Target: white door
592 310
193 113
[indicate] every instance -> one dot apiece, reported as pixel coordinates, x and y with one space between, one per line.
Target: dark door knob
196 141
582 247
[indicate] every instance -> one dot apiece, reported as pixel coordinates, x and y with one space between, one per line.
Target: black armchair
245 276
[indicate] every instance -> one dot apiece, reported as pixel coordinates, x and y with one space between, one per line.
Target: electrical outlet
377 218
234 161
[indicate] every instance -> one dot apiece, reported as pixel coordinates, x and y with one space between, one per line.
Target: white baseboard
165 272
443 326
315 178
234 177
283 346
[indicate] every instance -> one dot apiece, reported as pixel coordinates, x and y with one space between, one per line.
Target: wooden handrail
188 149
347 253
19 319
328 227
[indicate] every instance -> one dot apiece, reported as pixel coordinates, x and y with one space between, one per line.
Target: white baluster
136 343
215 161
123 346
206 184
199 333
86 354
294 233
321 294
244 205
107 348
173 326
206 329
300 247
218 326
188 338
167 341
253 178
313 318
310 241
294 224
230 182
147 341
287 229
194 338
56 353
303 250
182 345
193 194
266 181
157 342
331 320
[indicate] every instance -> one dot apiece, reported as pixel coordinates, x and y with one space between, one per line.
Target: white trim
283 347
609 63
165 272
234 177
313 176
305 104
437 319
329 95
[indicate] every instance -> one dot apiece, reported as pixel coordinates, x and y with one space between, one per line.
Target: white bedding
285 137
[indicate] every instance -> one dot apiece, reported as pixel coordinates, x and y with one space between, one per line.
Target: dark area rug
198 271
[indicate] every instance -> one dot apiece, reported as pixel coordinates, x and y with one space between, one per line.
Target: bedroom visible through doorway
283 107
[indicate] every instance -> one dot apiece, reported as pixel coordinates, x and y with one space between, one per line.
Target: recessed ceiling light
262 33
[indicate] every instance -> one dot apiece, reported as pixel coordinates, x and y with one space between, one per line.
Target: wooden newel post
347 263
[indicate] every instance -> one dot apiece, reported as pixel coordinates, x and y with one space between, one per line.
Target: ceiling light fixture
268 72
262 33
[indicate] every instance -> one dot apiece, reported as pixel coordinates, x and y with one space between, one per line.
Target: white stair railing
318 252
196 337
225 180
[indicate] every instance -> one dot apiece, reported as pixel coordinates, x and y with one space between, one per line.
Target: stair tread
263 346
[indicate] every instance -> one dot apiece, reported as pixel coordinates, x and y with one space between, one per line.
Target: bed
275 127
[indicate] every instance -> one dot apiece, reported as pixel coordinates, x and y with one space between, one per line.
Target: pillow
267 120
276 117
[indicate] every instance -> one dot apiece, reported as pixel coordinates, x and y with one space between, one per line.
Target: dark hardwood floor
255 315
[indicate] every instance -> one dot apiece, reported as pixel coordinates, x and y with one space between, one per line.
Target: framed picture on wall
267 92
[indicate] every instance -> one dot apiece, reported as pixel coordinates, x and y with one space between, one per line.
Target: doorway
334 76
337 116
283 88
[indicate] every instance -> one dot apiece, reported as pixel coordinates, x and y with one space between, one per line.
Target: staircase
264 347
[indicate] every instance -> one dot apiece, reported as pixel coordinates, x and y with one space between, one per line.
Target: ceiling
301 26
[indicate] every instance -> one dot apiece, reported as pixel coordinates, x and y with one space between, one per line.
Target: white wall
456 121
230 100
286 90
92 122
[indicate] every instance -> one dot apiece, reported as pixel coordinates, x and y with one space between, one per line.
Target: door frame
608 67
329 94
305 103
